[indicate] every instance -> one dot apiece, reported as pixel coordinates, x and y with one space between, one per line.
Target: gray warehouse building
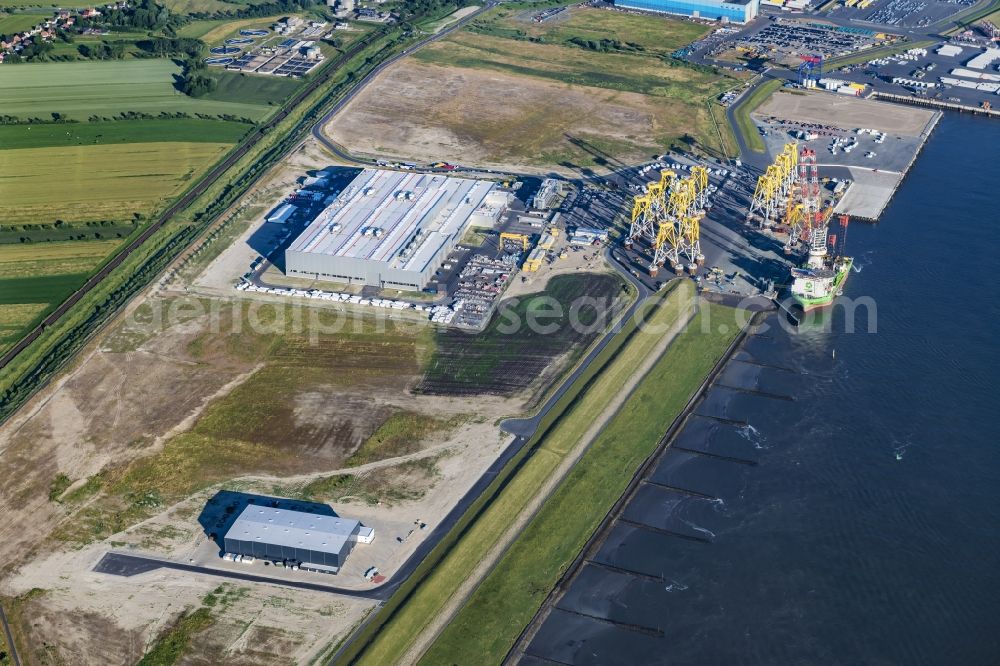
318 542
393 229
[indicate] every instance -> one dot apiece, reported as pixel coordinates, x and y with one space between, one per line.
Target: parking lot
784 40
929 68
903 13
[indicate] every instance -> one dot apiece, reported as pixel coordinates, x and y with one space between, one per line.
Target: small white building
281 214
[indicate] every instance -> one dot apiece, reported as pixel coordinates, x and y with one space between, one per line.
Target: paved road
214 174
14 658
317 130
525 428
125 564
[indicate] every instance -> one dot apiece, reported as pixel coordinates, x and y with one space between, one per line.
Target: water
868 531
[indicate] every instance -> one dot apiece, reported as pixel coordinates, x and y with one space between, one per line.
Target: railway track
186 199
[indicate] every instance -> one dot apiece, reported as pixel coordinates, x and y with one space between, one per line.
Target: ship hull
809 304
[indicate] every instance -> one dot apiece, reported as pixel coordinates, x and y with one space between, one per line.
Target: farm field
487 95
42 185
189 130
31 282
252 88
80 90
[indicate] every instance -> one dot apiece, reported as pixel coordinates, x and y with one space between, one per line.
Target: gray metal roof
395 218
292 528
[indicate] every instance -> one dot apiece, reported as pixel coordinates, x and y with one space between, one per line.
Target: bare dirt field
91 618
126 449
487 118
848 112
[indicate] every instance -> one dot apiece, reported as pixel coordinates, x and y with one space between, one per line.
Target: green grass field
656 34
615 71
618 459
189 130
33 278
31 259
252 88
11 23
744 123
489 623
82 89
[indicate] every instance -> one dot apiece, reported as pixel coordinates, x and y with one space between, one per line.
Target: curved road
127 564
219 170
186 199
317 130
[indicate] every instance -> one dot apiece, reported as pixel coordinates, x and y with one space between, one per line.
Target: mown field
11 23
80 90
35 278
577 92
98 182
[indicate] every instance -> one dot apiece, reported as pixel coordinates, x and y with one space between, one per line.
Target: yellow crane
521 238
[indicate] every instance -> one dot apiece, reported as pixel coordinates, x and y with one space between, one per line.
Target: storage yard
875 142
899 13
953 73
784 40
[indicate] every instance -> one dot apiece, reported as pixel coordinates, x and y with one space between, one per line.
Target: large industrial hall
393 228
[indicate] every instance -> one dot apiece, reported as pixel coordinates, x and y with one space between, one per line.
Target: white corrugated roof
393 217
298 529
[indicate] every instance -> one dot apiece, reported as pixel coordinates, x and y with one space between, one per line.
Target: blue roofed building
731 11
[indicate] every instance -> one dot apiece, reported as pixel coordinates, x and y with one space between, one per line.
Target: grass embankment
744 123
410 612
491 620
35 365
990 12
